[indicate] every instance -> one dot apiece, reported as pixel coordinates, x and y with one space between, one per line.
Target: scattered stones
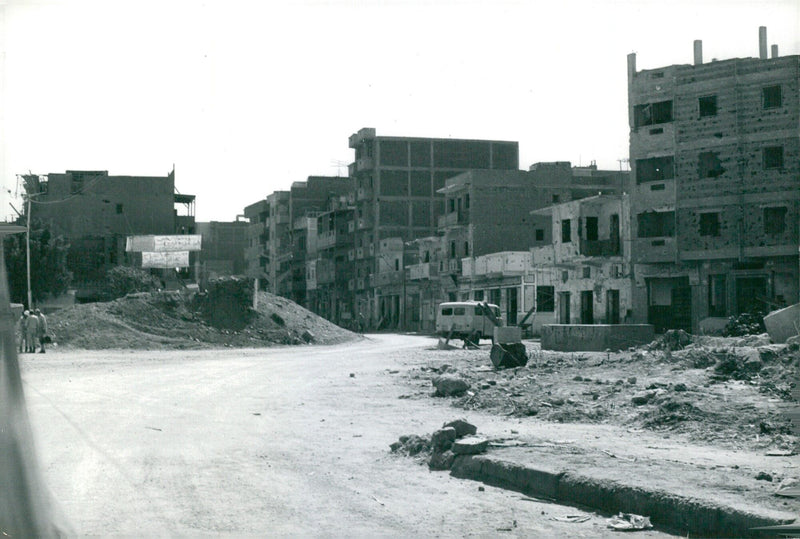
680 387
443 439
307 336
763 476
643 397
441 461
462 428
450 386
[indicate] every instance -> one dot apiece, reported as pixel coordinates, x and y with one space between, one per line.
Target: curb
681 514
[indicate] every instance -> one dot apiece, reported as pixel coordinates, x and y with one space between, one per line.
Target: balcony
600 247
453 219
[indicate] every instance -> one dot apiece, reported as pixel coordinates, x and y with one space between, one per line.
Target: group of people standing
33 331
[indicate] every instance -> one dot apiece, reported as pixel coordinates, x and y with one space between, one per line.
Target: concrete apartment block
715 188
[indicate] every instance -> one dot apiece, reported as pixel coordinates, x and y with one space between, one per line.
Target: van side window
460 311
447 312
478 311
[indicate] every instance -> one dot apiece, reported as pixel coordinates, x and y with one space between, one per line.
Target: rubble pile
729 391
181 320
439 449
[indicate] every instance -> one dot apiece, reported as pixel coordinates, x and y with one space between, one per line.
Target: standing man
31 333
22 325
42 329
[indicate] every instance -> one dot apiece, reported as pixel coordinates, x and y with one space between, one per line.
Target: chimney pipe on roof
698 52
762 42
774 51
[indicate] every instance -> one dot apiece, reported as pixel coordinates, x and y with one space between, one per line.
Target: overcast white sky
245 98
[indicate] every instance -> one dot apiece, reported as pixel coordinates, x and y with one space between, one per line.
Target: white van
460 319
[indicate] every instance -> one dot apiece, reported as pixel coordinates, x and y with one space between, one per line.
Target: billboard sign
174 259
164 244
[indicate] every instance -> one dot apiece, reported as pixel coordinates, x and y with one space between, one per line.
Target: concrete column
762 42
774 51
698 52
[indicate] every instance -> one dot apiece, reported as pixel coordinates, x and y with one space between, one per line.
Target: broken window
591 228
709 224
775 220
708 106
566 231
773 157
656 224
709 165
539 234
655 169
717 293
771 97
545 299
652 113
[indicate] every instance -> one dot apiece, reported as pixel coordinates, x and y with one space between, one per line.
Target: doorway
587 307
563 307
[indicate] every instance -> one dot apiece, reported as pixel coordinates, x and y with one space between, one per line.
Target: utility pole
28 248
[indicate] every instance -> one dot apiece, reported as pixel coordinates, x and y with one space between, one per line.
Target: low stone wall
595 337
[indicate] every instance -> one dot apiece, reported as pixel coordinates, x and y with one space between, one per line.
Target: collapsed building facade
715 154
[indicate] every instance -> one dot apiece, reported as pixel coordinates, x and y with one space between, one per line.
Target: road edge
675 513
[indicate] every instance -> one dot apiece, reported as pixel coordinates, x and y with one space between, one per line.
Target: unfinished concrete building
715 154
223 251
396 180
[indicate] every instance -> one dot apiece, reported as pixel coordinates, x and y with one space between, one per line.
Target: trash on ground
572 518
629 522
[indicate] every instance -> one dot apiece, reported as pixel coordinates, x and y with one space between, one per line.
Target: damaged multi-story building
488 228
715 185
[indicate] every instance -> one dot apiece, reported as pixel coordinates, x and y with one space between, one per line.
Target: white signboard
176 259
164 244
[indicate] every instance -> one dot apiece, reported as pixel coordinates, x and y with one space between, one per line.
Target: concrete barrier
783 323
595 337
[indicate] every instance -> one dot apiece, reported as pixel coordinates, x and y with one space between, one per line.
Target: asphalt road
284 441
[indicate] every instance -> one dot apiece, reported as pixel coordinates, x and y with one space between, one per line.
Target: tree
49 274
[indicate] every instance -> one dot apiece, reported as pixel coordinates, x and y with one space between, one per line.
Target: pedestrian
31 332
42 329
22 325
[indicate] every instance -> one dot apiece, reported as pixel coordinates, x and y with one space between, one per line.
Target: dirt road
285 441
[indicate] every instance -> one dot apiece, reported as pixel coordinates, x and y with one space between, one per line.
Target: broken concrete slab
595 337
471 445
783 323
443 439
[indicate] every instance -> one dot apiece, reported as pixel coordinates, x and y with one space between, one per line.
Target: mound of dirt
177 320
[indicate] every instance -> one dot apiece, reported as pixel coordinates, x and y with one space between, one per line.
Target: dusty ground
729 392
170 320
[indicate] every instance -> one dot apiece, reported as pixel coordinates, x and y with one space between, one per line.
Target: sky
244 98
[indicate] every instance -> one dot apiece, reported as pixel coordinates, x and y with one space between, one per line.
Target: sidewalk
684 488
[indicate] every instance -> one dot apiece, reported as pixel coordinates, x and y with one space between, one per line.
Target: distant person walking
22 324
31 332
42 327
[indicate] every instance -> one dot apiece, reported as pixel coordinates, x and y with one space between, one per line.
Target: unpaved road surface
283 441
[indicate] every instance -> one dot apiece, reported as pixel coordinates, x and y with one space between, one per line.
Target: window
771 97
539 234
566 231
545 299
591 228
656 224
478 294
775 220
447 311
655 169
452 249
709 224
451 205
466 201
709 165
773 157
119 208
652 113
556 199
708 106
396 264
587 272
466 248
717 306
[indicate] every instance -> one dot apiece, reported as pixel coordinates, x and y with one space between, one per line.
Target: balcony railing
600 247
425 270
